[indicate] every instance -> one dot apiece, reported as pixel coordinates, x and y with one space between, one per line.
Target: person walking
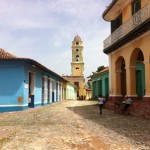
101 103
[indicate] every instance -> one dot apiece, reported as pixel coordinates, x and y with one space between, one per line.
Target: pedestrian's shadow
133 128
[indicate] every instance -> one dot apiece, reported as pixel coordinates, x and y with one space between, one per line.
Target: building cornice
114 9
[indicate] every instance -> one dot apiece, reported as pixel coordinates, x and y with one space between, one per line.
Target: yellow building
77 67
128 48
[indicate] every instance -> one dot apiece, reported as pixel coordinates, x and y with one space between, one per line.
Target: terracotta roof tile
105 69
100 72
77 39
5 55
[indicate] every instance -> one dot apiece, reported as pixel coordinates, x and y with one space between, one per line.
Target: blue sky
43 30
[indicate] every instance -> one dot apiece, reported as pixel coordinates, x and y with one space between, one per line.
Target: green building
100 83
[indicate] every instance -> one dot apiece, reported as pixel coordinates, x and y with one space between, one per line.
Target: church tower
77 68
77 65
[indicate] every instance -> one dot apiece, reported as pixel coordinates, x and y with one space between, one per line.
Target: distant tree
100 68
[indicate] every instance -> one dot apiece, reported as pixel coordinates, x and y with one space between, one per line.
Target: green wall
100 84
140 79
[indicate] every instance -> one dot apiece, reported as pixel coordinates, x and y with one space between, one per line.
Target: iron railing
137 19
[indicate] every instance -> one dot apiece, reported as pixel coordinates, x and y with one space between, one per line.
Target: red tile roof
104 70
4 54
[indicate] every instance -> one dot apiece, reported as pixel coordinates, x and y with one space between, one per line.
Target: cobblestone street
72 125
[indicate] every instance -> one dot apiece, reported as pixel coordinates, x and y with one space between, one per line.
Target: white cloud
44 30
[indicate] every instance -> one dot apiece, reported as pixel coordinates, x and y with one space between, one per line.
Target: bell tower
77 64
77 68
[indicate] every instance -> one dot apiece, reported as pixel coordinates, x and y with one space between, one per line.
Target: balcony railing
137 19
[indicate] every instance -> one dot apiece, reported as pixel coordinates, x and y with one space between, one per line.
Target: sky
43 30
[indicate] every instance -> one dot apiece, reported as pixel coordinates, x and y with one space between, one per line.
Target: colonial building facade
100 83
77 67
128 49
25 83
69 91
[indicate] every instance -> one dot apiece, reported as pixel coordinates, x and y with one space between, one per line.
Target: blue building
25 83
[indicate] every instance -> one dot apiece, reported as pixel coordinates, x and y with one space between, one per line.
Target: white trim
20 105
147 96
146 61
51 79
44 76
45 90
37 103
13 105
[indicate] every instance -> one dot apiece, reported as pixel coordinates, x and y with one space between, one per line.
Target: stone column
61 91
131 81
110 76
147 78
118 83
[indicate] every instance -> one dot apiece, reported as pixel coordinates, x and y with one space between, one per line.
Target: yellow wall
77 72
77 64
127 11
88 94
81 81
126 52
144 2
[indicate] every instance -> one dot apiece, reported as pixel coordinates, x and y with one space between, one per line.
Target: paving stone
72 125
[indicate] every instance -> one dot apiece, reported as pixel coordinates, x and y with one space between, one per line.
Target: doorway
31 89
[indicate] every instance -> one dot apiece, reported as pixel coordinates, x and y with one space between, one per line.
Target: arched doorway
140 75
106 87
137 60
121 76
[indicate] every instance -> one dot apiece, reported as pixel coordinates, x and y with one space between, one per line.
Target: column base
111 101
146 98
140 107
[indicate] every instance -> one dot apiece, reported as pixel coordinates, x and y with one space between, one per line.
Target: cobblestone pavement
72 125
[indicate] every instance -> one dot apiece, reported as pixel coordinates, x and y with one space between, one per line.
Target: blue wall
38 84
14 83
11 85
